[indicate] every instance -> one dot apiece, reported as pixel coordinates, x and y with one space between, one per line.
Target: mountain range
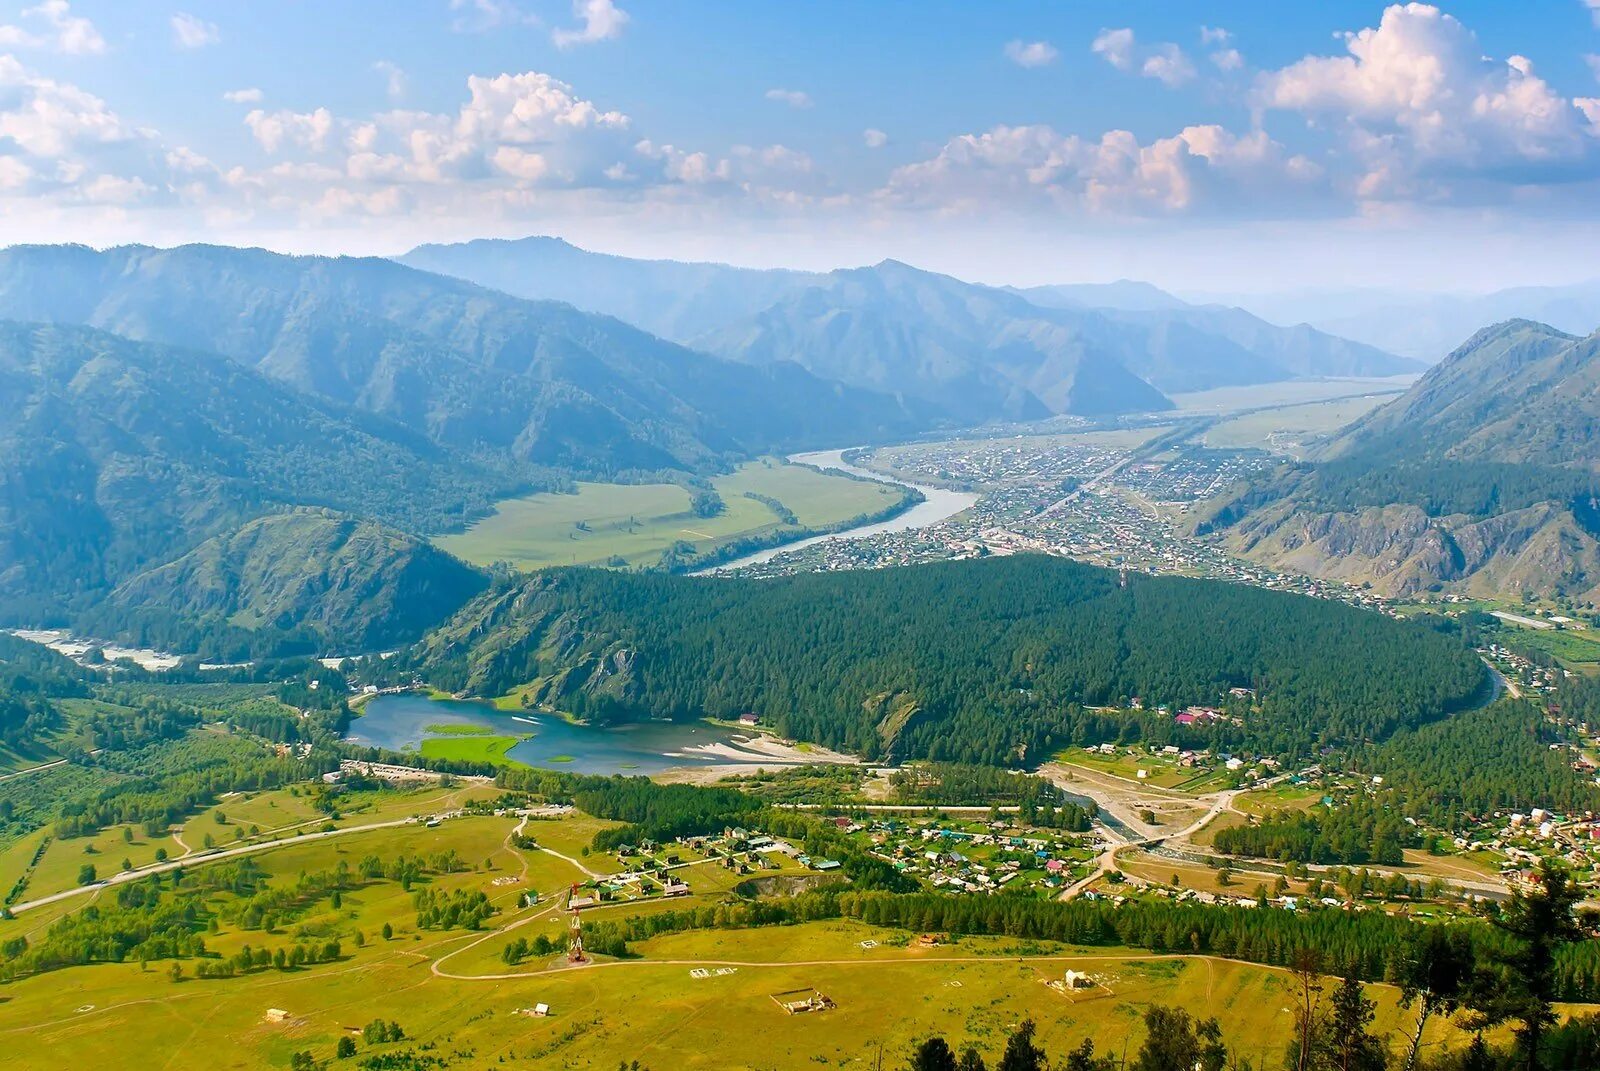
973 352
472 369
1427 326
1480 478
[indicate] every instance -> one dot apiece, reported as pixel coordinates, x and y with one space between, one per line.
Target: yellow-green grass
648 1008
1280 797
66 856
1576 650
1286 394
472 748
1161 771
637 522
1289 429
651 1010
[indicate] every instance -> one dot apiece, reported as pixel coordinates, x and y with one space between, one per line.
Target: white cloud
1201 169
244 96
1031 53
189 31
60 31
1594 10
520 164
1227 59
874 138
1166 63
794 98
602 20
1116 46
1214 35
1423 113
394 78
1593 60
481 16
276 130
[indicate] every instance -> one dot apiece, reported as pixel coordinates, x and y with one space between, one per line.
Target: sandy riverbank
760 753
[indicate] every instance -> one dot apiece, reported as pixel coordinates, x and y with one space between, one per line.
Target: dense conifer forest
997 662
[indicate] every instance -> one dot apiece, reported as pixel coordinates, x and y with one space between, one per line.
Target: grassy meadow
635 523
458 1000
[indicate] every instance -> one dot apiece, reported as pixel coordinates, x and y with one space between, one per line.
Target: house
749 719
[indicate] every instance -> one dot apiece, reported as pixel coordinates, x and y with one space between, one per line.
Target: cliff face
1482 479
1401 551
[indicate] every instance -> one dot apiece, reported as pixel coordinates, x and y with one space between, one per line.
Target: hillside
882 662
118 455
470 368
1481 477
977 352
303 581
1428 326
674 299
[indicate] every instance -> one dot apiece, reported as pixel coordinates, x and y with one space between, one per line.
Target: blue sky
1200 145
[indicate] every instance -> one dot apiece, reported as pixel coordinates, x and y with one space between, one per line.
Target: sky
1249 146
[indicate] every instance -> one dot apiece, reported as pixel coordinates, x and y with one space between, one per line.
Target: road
190 862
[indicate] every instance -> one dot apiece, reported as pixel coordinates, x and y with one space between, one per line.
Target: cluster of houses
977 859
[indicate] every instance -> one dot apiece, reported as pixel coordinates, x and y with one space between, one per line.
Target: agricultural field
1290 429
1292 392
633 524
1160 771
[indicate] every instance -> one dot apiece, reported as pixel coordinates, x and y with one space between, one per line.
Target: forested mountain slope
300 582
470 368
884 662
674 299
118 455
1481 476
976 351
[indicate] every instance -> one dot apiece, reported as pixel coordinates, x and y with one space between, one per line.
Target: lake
938 503
397 722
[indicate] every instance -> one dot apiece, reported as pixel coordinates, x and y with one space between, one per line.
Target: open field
1160 771
1290 429
454 992
470 747
635 523
1290 393
651 1009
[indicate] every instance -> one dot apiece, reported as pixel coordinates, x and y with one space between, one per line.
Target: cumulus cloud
1032 53
251 95
275 130
189 31
1421 109
794 98
1201 168
394 78
1166 63
601 21
66 145
874 138
1116 46
51 25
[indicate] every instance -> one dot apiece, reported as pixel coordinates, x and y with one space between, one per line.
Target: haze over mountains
240 451
1481 477
1426 327
979 353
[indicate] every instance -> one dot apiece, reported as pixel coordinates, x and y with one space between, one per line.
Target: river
401 722
938 503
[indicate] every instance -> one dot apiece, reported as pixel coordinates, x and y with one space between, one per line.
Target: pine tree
934 1055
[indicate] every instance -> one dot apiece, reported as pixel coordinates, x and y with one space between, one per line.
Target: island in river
409 721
